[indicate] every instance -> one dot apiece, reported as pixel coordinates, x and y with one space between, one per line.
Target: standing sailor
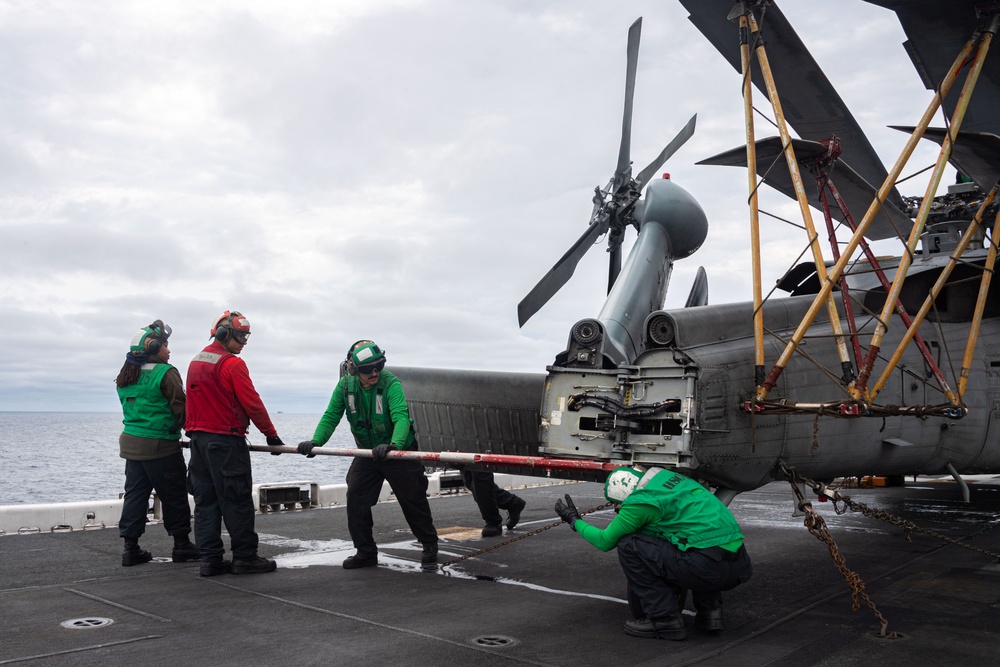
222 402
490 499
152 398
380 421
672 534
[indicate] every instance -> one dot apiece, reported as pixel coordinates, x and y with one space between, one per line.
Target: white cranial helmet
621 483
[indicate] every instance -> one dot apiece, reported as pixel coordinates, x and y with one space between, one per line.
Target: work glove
567 512
274 441
306 448
380 452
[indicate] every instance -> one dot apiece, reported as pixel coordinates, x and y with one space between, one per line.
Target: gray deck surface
550 599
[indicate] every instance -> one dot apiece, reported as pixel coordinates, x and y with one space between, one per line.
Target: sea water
55 457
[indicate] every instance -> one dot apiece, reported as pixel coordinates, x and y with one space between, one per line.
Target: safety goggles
368 369
241 336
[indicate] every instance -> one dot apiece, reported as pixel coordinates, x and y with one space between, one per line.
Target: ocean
55 457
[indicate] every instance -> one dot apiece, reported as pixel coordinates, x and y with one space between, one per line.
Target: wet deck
550 599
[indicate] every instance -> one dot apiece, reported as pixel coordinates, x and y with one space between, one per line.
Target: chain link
837 498
519 537
816 525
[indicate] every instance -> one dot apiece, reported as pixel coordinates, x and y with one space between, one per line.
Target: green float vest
146 411
690 516
371 406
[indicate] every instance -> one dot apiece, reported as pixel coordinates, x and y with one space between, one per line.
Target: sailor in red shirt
221 403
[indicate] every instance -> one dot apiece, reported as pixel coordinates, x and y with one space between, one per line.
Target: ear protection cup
224 327
151 338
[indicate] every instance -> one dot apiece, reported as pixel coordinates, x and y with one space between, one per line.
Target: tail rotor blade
624 151
561 272
686 133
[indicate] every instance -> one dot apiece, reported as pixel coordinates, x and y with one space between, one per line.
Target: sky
398 170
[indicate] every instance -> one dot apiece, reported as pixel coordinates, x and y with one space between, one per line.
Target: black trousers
489 497
220 481
166 476
655 569
408 483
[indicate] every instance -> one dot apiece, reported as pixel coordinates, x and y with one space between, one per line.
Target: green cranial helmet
366 353
150 338
621 483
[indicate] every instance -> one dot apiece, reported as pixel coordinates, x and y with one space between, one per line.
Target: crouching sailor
672 535
152 397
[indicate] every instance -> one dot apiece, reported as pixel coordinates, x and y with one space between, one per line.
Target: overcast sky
398 170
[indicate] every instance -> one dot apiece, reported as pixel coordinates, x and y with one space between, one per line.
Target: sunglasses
368 369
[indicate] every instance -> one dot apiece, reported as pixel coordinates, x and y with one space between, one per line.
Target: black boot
429 557
184 550
492 531
514 513
255 565
670 627
709 608
133 554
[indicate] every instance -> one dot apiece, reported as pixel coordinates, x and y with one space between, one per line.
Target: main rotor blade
557 276
624 152
665 154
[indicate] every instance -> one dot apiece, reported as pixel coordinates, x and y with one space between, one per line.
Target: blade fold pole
925 206
858 388
758 313
925 308
977 318
800 196
459 458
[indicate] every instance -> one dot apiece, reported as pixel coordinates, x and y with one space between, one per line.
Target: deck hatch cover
86 623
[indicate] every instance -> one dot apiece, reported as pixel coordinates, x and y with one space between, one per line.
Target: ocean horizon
56 457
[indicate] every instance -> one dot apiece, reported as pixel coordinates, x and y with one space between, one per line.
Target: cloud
404 171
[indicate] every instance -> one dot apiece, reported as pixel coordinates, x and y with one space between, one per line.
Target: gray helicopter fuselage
704 363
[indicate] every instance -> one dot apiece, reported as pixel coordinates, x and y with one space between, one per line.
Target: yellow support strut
758 314
918 225
835 272
925 308
800 195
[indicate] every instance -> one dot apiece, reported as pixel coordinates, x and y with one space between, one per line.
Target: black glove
306 448
274 441
380 452
567 512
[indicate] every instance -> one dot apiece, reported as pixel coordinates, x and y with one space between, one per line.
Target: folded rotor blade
665 154
698 296
557 276
854 190
624 152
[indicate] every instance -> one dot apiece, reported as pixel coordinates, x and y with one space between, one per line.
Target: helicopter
871 365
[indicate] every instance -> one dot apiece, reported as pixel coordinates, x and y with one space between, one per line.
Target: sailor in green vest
673 535
152 398
373 400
